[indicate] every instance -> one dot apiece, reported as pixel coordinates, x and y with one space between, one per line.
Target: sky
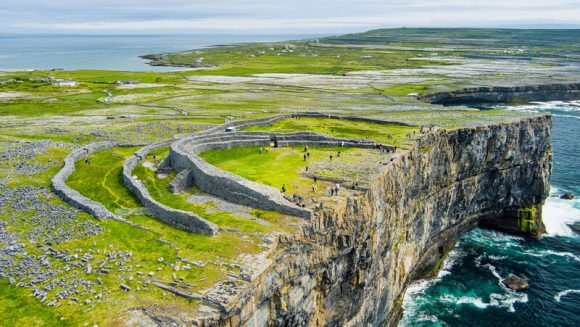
276 16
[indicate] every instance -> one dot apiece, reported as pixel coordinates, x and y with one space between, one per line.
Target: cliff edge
352 264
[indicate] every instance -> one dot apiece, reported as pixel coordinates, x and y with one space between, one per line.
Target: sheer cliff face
352 264
499 94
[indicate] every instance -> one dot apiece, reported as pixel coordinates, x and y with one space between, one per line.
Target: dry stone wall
72 196
176 218
183 157
210 179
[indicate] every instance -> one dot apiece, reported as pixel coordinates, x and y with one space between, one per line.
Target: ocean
468 292
109 52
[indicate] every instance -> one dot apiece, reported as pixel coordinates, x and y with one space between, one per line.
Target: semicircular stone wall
184 156
192 169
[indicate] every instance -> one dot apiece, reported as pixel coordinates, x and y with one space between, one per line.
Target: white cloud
274 15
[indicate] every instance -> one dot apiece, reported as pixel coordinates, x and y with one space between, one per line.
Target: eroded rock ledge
506 95
352 264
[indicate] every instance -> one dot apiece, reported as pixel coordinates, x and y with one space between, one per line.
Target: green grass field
344 128
278 166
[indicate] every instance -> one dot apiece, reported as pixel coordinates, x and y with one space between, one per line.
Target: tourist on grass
283 188
305 157
261 150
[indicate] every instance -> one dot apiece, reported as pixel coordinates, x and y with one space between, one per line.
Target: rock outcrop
567 196
515 283
351 265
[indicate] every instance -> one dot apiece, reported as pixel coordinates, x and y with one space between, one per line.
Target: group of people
385 148
298 200
337 155
318 207
334 190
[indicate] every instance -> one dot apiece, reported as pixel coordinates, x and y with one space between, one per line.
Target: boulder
515 283
567 196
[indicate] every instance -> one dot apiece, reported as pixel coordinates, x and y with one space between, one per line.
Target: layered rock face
498 94
351 265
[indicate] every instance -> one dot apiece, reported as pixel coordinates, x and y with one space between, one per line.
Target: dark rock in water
567 196
575 227
515 283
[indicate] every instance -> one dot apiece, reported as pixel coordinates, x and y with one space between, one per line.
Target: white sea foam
562 254
570 106
558 214
559 296
493 271
417 288
552 252
506 300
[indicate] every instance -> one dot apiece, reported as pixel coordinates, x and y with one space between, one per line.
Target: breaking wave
559 296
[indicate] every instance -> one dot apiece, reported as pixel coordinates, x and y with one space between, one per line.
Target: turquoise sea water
468 291
113 52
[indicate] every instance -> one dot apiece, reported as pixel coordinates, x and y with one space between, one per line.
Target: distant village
62 82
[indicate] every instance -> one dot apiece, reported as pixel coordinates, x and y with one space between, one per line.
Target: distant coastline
108 52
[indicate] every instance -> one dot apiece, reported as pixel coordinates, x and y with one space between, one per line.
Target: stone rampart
72 196
176 218
210 179
184 157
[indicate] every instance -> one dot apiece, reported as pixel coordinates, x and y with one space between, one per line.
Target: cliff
504 95
352 264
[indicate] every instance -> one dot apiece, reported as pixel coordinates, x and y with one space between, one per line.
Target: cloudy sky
276 16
